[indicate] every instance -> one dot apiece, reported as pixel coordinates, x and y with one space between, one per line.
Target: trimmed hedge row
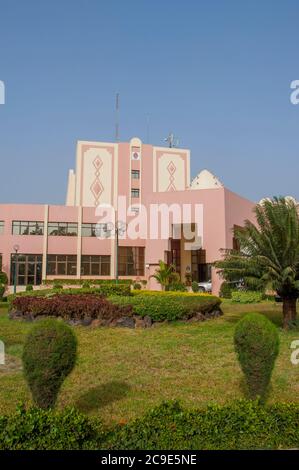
69 307
239 425
161 306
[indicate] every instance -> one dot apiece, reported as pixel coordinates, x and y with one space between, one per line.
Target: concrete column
45 242
79 241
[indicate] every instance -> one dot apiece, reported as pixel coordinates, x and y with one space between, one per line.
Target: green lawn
121 372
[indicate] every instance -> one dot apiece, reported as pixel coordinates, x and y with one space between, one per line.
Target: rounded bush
29 288
49 356
195 286
257 346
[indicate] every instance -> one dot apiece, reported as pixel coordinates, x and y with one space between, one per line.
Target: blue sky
216 73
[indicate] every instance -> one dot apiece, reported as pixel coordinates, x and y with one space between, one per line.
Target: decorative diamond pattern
171 168
96 186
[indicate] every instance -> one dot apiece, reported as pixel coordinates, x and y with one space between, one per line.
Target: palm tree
269 253
165 274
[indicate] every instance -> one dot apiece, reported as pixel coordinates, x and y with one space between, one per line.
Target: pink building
150 191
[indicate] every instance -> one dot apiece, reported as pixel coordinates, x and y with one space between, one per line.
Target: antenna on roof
117 118
171 141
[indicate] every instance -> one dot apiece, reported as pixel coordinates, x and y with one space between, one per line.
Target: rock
86 321
147 321
96 323
139 322
125 322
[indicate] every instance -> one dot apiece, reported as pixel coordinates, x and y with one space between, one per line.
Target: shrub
169 426
69 307
2 291
247 297
177 287
86 285
3 278
29 288
195 286
257 345
160 306
238 425
137 286
57 285
49 356
37 429
226 290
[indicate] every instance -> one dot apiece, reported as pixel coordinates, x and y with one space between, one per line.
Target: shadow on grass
102 395
274 316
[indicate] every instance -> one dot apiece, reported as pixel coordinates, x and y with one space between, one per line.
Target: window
95 265
21 227
131 261
63 229
62 265
1 227
135 174
135 192
94 230
28 269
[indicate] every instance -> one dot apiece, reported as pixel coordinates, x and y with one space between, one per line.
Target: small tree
257 345
165 274
49 356
195 286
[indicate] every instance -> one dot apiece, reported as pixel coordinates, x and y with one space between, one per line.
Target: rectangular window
27 268
63 229
135 192
21 227
1 227
135 174
95 265
62 265
95 230
131 261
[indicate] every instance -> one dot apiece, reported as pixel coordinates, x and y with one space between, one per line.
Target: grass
121 373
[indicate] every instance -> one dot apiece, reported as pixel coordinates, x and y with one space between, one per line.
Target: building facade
148 189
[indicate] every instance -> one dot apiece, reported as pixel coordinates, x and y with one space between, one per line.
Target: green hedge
239 425
79 282
36 429
169 306
246 297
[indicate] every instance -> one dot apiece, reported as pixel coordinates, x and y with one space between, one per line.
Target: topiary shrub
177 287
257 346
29 288
137 286
195 286
49 355
225 290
